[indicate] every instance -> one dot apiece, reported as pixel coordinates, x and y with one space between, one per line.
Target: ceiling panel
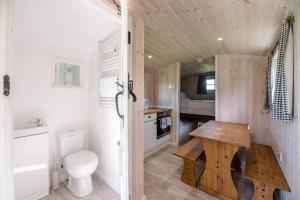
184 30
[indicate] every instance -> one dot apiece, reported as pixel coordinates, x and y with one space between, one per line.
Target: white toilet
79 163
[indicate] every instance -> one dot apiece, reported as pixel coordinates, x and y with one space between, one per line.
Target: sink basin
30 131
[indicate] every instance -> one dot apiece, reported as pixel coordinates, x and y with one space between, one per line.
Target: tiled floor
162 179
101 192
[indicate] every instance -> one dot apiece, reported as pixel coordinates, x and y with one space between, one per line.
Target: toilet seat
81 163
81 160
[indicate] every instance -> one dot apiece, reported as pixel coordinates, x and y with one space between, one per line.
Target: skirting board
107 181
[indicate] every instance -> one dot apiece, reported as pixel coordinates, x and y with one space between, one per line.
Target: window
210 83
206 84
273 73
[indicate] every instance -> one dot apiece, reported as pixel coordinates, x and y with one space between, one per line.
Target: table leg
262 191
188 174
217 178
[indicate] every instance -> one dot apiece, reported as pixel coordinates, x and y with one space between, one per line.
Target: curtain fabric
282 104
202 85
268 85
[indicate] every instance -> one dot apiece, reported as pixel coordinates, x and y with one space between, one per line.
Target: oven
163 124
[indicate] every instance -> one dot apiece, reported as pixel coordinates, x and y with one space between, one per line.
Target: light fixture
199 59
219 38
149 56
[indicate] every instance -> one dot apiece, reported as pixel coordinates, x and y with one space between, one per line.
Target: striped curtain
282 104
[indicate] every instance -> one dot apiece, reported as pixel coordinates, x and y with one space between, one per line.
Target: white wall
33 95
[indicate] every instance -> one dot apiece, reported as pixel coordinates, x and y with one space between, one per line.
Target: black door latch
6 85
130 90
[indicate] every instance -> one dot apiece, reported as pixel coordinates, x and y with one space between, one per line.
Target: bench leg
262 191
188 174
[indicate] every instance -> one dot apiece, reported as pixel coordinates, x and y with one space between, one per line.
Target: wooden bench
262 168
190 152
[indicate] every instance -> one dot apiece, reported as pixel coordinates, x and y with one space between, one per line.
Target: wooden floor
162 179
101 192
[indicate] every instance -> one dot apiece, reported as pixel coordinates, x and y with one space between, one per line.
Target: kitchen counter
155 110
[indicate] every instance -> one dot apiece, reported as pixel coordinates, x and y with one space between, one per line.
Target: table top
227 132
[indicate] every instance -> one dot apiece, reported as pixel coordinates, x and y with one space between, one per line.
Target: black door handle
130 91
117 103
117 99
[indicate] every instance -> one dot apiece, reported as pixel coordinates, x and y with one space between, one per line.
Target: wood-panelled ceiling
184 30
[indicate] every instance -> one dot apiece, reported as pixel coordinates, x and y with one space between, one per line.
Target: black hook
118 7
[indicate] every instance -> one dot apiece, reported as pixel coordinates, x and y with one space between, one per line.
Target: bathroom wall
46 30
33 95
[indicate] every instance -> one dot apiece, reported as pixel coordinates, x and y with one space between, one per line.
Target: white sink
30 131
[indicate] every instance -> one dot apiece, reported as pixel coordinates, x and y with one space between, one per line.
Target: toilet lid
81 159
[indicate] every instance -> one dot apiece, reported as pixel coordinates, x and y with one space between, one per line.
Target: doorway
37 67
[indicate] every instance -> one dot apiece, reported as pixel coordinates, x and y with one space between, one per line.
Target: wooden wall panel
167 89
183 30
240 93
138 110
189 86
285 137
150 85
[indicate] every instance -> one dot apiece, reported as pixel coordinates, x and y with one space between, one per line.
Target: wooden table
221 141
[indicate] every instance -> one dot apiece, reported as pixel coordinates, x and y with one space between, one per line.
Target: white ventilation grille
67 75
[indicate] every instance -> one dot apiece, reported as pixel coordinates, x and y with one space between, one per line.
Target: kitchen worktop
155 110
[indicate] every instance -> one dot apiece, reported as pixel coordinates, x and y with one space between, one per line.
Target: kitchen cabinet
149 135
151 141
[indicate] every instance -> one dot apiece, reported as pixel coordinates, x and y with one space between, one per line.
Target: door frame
124 138
6 122
6 173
